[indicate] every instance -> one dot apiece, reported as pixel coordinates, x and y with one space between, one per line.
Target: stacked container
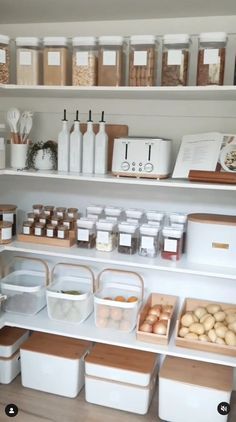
28 57
55 56
84 61
175 59
142 60
211 58
110 61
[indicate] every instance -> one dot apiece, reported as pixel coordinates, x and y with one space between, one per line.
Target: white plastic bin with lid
9 368
28 57
84 61
54 364
142 60
175 59
118 299
25 288
70 296
194 389
120 378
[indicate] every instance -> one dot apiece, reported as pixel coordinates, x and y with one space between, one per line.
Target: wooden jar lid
213 219
9 335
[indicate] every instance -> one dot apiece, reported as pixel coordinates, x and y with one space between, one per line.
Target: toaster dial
148 167
125 166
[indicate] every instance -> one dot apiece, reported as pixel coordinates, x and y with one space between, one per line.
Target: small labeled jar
134 215
106 236
51 230
62 232
44 218
69 222
172 243
28 228
86 233
84 61
211 58
175 59
60 212
154 216
27 61
142 60
113 213
39 229
32 217
179 221
149 240
8 213
49 209
73 213
127 238
37 209
5 232
110 61
55 220
4 60
94 211
55 57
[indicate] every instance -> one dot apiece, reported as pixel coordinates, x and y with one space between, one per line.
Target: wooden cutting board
212 177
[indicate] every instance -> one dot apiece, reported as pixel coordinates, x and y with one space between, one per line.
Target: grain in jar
110 61
4 59
84 61
94 212
127 238
55 56
142 60
8 213
106 236
28 57
211 58
175 59
113 213
48 209
5 232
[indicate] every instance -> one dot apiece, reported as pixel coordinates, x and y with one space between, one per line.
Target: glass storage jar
60 212
8 213
55 57
4 60
142 60
5 232
110 61
211 58
149 240
172 243
84 61
179 221
32 217
94 212
62 232
28 57
86 233
157 216
49 209
69 222
44 218
51 230
134 215
113 213
39 229
106 236
73 212
55 220
127 238
175 59
37 209
28 228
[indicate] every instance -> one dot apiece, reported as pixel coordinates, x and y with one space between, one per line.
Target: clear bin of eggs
119 312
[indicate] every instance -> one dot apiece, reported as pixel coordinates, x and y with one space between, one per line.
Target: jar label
54 222
54 58
38 231
103 237
170 245
82 58
2 56
211 56
31 219
42 220
66 224
26 230
83 234
49 233
61 234
109 58
6 233
60 213
36 211
25 58
47 212
147 242
140 58
174 58
125 239
71 214
8 217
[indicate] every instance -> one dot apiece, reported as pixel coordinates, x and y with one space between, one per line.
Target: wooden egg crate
156 299
51 241
190 305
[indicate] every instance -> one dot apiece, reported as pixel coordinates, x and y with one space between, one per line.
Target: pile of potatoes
210 324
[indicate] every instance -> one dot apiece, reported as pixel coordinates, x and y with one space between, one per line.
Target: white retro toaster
142 157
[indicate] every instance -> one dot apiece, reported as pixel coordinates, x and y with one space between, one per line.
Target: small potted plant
42 156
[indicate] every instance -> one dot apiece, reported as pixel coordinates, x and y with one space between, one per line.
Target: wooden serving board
51 241
212 177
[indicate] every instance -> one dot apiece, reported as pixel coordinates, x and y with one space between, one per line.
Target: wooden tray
190 305
156 299
212 177
43 240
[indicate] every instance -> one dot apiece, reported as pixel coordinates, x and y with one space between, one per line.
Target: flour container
28 57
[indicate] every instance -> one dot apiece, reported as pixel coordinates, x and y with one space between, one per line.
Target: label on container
82 58
60 234
60 213
54 58
174 57
42 220
211 56
6 233
103 237
25 58
26 230
140 58
83 234
47 212
125 239
147 242
31 219
8 217
3 57
66 224
38 231
49 233
109 58
36 211
71 214
170 245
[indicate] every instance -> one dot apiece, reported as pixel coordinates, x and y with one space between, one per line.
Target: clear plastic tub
28 57
110 61
211 58
106 236
94 212
113 213
153 215
172 243
149 241
4 59
127 238
86 233
134 215
84 61
55 57
142 60
175 59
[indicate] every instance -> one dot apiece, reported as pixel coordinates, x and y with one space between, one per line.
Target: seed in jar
85 75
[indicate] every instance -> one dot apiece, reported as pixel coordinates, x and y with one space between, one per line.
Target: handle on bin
37 260
123 272
76 266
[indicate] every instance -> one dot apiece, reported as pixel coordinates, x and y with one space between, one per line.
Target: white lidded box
25 288
70 296
120 378
190 390
118 299
53 364
211 239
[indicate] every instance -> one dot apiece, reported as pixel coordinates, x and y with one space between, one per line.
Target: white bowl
223 157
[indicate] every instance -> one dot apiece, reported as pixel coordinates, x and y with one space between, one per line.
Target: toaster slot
126 151
149 152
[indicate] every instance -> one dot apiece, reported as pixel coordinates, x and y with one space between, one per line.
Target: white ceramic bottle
63 146
76 147
88 147
101 149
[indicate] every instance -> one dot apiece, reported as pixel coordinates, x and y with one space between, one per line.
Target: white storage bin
53 364
191 391
25 289
120 378
70 307
113 305
10 340
9 368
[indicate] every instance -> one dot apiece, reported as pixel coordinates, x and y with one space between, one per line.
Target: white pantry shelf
88 331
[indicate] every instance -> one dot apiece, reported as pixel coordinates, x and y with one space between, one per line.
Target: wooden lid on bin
50 344
122 358
203 374
213 219
10 335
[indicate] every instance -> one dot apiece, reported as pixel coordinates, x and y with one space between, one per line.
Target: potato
219 316
232 327
230 338
219 324
195 318
200 312
203 337
187 319
212 309
202 319
209 323
230 318
230 311
197 328
212 336
221 331
191 336
183 331
220 340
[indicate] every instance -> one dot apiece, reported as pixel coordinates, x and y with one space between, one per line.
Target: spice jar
49 209
62 232
142 60
106 236
37 208
149 240
51 230
113 213
154 216
84 61
94 211
55 220
127 238
5 232
110 61
8 213
86 233
4 60
60 212
172 243
179 221
211 58
55 56
134 215
39 229
28 228
27 61
175 59
72 212
44 218
69 222
32 217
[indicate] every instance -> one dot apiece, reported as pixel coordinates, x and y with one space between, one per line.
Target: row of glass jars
102 61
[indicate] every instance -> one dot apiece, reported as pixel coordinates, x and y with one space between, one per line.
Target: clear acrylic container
134 215
86 233
175 59
149 240
94 212
142 60
28 58
55 58
84 61
179 221
127 238
4 59
106 236
155 216
211 58
113 213
172 244
110 61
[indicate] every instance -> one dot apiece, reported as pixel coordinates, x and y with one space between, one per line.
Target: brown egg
132 299
103 311
102 322
146 327
120 299
151 318
154 311
164 315
160 327
116 314
167 308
